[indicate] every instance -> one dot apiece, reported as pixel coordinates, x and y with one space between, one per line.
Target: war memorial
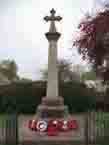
52 123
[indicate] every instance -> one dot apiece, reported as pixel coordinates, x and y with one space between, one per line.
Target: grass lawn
102 118
2 119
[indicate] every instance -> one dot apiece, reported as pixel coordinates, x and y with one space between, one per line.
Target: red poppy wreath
53 126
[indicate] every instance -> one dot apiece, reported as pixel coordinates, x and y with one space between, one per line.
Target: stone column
52 105
52 37
52 86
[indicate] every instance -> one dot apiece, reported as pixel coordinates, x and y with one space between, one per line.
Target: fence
8 129
97 128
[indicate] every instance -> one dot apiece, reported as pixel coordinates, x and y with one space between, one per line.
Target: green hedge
24 98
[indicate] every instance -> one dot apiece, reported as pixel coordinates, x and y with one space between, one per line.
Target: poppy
65 126
72 124
52 129
33 125
29 124
42 126
59 125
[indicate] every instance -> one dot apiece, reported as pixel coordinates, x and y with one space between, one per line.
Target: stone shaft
52 37
52 86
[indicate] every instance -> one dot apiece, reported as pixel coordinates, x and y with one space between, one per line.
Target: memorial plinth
52 105
54 108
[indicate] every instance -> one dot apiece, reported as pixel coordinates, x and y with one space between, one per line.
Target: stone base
57 141
54 108
75 137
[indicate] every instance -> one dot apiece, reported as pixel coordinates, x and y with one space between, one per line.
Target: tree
90 42
79 70
65 72
25 80
8 69
89 75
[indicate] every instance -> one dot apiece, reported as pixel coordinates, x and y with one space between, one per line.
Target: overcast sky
22 31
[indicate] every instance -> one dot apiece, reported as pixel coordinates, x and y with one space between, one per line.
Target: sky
22 30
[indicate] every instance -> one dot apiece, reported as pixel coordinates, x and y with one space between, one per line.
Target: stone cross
52 18
52 36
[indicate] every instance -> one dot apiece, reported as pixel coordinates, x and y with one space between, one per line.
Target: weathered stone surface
52 82
52 102
51 111
52 107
